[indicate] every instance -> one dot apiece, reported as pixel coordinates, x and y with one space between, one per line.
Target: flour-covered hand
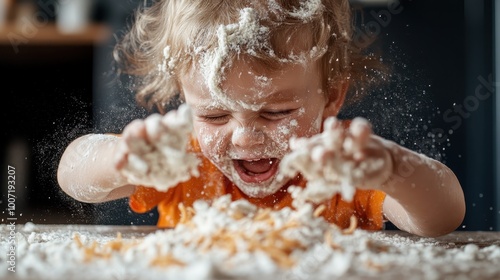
339 160
153 152
370 154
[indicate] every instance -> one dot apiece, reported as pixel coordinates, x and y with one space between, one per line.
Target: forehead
251 83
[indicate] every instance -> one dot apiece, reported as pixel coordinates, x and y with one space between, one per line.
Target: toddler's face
245 131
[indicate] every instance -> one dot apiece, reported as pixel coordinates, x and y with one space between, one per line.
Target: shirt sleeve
145 199
366 206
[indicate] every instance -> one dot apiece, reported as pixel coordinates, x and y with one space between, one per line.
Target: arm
424 196
151 152
87 170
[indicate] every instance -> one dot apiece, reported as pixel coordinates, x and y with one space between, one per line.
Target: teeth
253 160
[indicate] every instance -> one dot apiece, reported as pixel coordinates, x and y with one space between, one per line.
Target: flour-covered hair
172 36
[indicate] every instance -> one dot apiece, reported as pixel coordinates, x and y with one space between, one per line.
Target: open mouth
256 171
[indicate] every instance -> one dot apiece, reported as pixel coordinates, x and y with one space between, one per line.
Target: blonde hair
171 36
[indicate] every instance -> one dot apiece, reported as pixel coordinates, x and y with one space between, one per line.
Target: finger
135 130
178 120
360 130
331 123
153 127
318 154
136 139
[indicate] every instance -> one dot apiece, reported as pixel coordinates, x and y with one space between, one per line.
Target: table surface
445 257
454 239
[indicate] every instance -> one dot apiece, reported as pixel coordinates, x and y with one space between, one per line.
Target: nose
246 137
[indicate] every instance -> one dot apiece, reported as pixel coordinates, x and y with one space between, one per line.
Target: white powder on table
235 240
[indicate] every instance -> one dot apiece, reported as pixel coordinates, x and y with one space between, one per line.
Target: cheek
205 137
304 125
312 123
285 131
315 127
307 124
212 141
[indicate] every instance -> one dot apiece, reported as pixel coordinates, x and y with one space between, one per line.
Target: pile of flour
235 240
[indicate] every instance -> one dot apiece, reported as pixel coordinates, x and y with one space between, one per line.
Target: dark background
439 51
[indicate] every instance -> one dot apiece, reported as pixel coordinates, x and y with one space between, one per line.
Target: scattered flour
164 161
308 9
235 240
168 63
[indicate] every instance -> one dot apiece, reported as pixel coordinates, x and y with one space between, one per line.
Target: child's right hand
133 134
153 152
133 131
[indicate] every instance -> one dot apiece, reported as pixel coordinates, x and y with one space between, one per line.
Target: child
255 74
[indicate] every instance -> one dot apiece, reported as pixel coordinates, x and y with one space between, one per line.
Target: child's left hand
340 158
369 153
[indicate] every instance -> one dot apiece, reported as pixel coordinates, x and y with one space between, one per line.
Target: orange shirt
366 204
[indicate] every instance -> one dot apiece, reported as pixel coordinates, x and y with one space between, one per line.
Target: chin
258 190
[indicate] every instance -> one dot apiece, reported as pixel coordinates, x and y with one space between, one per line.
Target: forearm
87 171
424 196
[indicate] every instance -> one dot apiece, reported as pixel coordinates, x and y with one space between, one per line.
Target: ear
336 97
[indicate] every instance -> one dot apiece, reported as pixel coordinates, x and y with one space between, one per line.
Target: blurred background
58 83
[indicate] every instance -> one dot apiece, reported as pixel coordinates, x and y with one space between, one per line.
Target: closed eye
215 119
276 115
